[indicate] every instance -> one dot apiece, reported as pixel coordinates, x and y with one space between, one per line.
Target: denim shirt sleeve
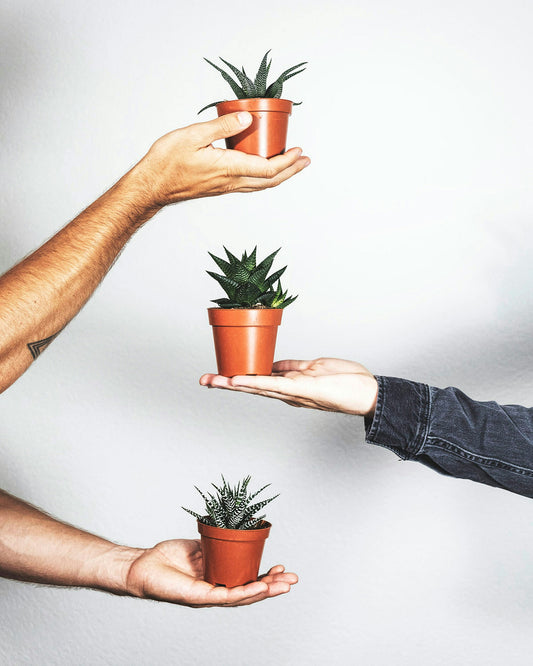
455 435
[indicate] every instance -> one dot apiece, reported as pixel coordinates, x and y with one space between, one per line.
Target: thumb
220 128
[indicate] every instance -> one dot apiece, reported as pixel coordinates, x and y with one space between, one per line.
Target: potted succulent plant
267 135
245 323
232 537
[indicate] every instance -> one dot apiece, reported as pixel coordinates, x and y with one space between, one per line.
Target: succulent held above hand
249 285
232 508
256 88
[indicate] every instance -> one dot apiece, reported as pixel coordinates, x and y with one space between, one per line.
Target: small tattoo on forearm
37 348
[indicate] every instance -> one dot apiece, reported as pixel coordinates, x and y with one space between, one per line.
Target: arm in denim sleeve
455 435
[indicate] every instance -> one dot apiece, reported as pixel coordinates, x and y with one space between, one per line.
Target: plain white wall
409 243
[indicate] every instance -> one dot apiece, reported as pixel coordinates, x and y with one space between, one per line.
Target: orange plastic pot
267 135
245 340
232 557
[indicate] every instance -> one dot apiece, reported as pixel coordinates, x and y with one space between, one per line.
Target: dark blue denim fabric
455 435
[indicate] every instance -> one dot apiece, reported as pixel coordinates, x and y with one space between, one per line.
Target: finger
215 381
293 401
276 384
203 134
220 382
230 596
266 178
291 364
250 167
274 590
278 573
277 584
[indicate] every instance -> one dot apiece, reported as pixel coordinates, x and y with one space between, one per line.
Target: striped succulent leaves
232 508
245 88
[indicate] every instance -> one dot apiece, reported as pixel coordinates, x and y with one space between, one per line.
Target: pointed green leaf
261 76
250 261
224 266
288 301
226 283
232 258
275 276
247 85
208 106
275 89
267 262
234 86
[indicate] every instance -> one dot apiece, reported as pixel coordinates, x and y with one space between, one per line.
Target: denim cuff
401 419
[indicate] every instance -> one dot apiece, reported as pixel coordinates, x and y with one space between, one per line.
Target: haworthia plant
232 508
248 284
246 88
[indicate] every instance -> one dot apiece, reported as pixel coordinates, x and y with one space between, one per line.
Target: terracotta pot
245 340
232 557
267 135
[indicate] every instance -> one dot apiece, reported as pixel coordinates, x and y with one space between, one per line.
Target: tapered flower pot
245 340
267 135
232 557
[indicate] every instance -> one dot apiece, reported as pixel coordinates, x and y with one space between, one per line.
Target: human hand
173 571
184 165
329 384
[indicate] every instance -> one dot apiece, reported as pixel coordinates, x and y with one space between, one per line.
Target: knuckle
226 124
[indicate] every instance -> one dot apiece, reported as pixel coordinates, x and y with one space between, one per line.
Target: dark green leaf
250 261
232 258
234 86
261 76
208 106
224 266
275 276
247 85
226 283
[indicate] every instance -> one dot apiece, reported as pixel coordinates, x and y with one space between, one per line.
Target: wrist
372 393
112 570
137 190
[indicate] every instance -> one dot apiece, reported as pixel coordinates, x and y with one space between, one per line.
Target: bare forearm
42 293
37 548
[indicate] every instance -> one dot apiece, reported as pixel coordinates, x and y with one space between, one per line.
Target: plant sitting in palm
249 285
232 508
246 88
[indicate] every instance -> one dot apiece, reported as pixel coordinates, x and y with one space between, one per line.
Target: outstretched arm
42 293
37 548
441 428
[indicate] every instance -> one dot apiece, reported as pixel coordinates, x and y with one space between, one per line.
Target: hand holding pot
184 165
328 384
173 571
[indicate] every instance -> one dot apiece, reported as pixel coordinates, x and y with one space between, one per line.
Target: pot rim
242 309
245 316
227 534
258 104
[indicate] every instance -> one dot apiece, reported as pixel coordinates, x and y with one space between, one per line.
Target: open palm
173 571
329 384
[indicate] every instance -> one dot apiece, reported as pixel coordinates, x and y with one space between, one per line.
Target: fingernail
245 118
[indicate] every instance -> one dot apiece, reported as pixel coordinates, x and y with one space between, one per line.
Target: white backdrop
409 243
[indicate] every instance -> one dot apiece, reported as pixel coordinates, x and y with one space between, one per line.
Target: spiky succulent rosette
248 284
232 508
246 88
